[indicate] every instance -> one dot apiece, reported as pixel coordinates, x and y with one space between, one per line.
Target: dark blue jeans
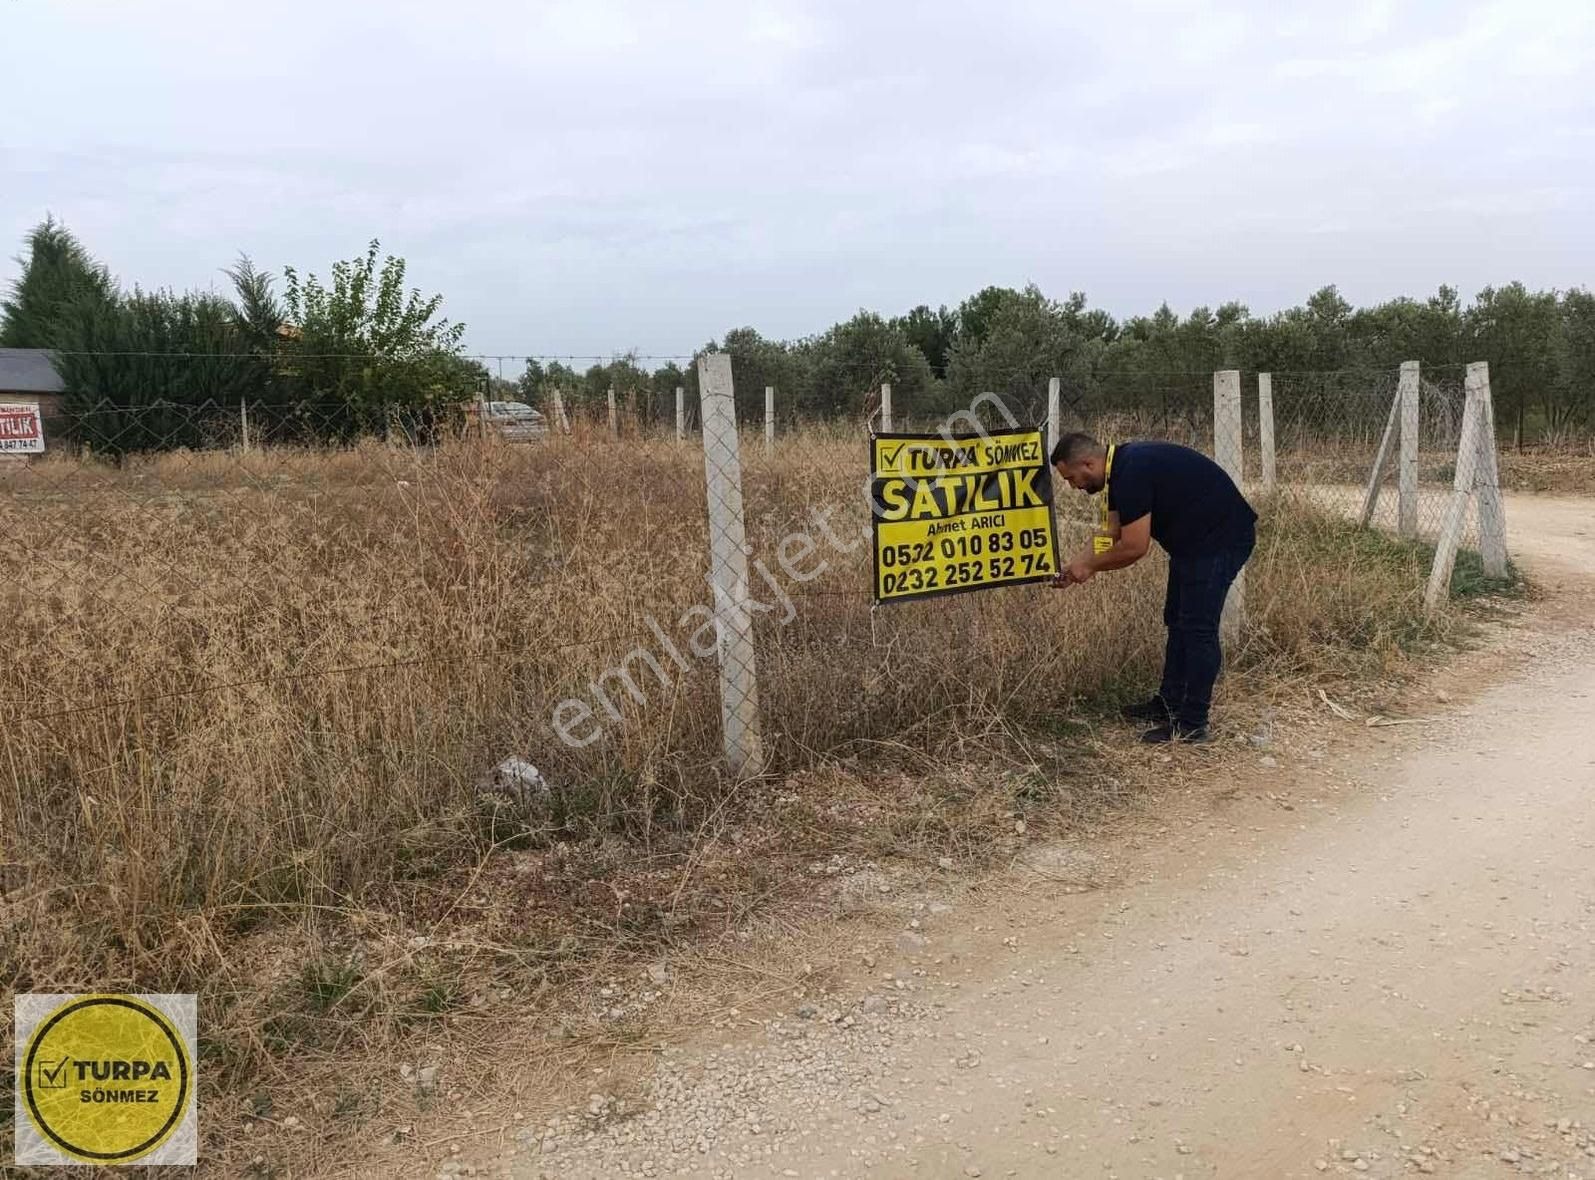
1191 610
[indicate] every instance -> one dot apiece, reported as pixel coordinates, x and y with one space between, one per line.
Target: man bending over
1158 491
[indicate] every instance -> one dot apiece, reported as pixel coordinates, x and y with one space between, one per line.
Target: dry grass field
251 700
1567 469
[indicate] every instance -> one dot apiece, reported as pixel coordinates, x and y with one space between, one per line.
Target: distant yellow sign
961 513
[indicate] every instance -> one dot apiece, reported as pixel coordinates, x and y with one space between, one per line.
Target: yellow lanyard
1107 477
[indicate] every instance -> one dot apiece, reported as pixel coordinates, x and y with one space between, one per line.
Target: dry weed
251 699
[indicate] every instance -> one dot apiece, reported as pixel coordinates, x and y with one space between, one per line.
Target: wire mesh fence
217 600
1370 446
1348 451
274 463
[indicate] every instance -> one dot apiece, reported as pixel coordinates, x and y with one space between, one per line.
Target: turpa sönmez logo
105 1079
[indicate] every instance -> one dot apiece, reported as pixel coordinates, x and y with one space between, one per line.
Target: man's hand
1080 570
1077 572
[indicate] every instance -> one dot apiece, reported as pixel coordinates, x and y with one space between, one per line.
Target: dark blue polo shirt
1195 506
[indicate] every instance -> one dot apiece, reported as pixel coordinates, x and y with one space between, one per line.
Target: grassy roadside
315 854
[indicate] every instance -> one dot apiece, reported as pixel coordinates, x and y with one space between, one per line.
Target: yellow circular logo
106 1078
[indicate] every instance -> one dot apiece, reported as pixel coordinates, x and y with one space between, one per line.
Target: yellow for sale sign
960 513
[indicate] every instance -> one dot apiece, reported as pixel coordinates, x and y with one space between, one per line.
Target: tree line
1540 346
358 352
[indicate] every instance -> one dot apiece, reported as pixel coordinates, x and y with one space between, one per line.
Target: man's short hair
1073 447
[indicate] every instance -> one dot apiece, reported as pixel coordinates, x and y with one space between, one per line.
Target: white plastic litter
517 779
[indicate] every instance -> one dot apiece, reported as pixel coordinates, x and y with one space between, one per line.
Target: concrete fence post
243 425
614 417
1227 453
1054 411
1265 430
1381 461
728 569
1462 488
681 414
769 419
1487 480
886 406
1407 470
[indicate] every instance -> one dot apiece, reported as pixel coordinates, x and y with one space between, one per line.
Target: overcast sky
599 175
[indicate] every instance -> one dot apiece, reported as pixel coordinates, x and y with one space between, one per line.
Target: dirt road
1376 960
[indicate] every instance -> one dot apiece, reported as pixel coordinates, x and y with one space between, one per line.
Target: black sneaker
1177 732
1155 709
